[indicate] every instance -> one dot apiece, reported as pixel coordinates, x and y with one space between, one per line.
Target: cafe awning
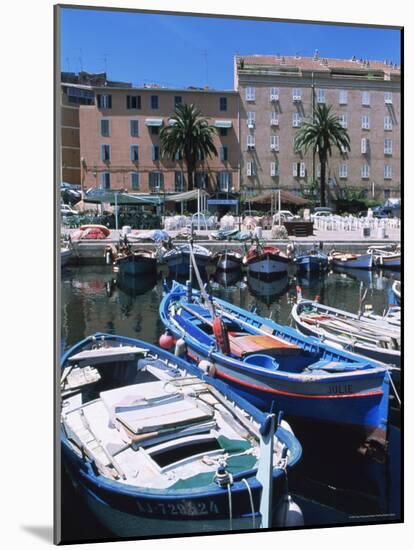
108 196
223 124
186 196
154 122
285 198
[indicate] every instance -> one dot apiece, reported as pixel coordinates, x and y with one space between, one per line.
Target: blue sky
180 51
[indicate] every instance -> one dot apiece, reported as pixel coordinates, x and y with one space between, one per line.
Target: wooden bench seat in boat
254 343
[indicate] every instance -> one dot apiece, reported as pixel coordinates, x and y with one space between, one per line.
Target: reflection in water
331 474
227 279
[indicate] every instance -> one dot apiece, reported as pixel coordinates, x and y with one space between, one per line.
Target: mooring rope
251 502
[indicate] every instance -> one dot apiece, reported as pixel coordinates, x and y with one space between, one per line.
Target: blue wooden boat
313 262
386 257
157 446
352 261
138 262
178 258
396 291
269 362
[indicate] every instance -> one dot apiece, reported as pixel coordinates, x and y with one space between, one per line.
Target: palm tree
321 134
190 136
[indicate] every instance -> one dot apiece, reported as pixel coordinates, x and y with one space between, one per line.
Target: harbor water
333 484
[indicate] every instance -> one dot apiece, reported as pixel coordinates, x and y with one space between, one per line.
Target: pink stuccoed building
120 140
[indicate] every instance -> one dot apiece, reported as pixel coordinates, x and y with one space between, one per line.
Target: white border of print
27 267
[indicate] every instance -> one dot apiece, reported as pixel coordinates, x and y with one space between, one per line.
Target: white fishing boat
157 446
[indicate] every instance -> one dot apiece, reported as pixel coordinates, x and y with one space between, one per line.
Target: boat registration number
340 389
183 508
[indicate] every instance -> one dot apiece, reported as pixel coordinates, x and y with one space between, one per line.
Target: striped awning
154 122
223 124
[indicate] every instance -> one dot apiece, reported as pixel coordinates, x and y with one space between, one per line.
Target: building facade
278 93
76 89
120 140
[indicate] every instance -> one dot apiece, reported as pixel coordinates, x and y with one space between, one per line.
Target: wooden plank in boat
164 416
106 355
242 345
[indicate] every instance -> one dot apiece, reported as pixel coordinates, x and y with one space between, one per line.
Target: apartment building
278 93
120 140
76 89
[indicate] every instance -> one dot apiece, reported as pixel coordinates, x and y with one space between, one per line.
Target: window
364 146
387 146
274 169
387 171
302 170
388 98
274 94
296 94
105 153
250 94
105 180
318 170
343 170
135 180
250 141
200 155
223 103
134 153
295 169
224 181
179 155
201 180
387 123
104 101
274 118
274 143
365 122
224 156
179 182
177 100
133 102
155 152
156 180
155 130
250 168
296 120
154 102
134 128
299 169
366 99
251 119
320 95
343 97
105 127
387 193
365 171
343 120
223 132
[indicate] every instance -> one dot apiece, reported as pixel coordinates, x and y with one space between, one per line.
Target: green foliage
323 133
190 136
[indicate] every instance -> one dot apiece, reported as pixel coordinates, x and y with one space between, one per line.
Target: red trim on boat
221 374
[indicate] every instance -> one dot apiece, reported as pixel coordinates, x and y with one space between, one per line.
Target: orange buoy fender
221 335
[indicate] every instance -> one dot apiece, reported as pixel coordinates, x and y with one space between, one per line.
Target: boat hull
311 264
228 262
268 265
364 261
133 265
180 263
390 262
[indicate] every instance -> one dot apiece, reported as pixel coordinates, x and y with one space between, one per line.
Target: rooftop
318 63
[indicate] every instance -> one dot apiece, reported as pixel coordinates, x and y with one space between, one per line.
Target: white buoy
180 348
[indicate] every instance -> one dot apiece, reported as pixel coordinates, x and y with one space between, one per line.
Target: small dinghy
371 337
314 261
267 362
223 234
353 261
386 257
178 258
266 261
159 447
228 260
